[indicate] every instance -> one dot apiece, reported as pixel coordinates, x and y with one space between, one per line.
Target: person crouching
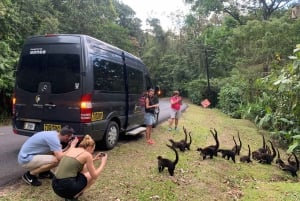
76 171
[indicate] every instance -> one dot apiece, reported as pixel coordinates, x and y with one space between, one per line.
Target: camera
72 138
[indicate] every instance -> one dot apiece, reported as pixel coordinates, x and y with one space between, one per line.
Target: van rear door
48 84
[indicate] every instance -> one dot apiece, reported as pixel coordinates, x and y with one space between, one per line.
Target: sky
160 9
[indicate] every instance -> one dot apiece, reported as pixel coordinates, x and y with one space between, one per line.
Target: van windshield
60 70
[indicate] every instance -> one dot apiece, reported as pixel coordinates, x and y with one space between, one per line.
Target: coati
246 158
293 163
297 165
228 153
164 162
264 148
279 160
256 155
211 150
288 167
182 144
187 144
207 151
267 158
237 147
268 150
215 147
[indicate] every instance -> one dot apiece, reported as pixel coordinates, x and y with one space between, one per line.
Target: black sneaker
31 179
46 175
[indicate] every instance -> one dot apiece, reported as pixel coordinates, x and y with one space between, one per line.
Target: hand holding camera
73 141
179 100
100 155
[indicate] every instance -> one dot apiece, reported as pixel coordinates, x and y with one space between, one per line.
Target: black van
77 80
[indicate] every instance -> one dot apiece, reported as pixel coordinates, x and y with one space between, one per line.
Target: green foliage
230 100
196 90
105 20
291 104
233 94
258 41
279 96
8 55
219 50
263 87
7 63
251 111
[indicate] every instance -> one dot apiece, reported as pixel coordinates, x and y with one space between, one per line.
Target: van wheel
111 136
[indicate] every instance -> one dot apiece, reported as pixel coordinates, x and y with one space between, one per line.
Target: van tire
111 136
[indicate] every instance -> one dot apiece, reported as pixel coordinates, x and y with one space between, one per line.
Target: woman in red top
176 103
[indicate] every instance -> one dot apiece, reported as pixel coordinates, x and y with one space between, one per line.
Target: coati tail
176 153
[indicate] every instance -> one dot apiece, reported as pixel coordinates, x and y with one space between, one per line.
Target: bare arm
71 143
148 104
61 153
175 100
58 154
172 101
94 172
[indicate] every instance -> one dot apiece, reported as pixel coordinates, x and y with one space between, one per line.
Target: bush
230 100
198 91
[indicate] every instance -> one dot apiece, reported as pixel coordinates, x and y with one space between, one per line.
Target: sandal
150 141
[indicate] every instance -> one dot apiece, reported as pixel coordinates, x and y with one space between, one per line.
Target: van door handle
49 105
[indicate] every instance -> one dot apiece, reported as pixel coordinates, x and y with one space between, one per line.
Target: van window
135 81
62 71
148 82
108 76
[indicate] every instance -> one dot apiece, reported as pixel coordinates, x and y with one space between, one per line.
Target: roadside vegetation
239 57
131 173
246 63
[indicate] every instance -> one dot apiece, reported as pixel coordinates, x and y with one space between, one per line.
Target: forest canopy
241 55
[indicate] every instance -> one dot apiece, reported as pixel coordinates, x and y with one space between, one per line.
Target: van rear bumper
95 129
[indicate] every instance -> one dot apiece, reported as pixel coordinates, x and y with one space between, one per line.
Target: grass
131 172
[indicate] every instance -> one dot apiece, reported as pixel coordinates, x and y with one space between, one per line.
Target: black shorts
69 187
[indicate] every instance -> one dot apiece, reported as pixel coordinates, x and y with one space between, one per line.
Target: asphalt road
10 143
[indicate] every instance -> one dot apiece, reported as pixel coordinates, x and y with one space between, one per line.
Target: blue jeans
149 119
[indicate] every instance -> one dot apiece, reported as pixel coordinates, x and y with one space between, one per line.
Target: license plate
29 126
52 127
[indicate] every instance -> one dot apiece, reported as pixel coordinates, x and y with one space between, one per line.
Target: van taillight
14 105
86 108
50 35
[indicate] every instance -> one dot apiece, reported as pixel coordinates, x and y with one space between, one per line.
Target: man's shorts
175 114
149 119
39 160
